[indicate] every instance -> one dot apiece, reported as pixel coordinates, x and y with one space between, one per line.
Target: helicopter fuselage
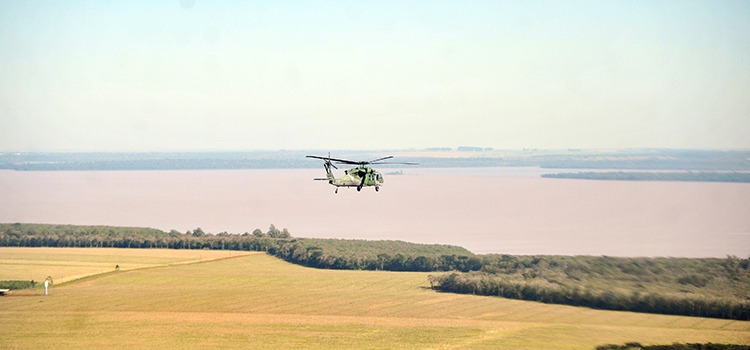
357 177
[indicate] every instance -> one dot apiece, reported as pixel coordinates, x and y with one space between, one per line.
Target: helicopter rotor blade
340 161
350 162
360 163
398 163
379 159
327 160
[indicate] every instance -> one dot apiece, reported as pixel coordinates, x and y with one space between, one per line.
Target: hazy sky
241 75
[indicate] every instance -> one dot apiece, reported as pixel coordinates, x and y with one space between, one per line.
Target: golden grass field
257 301
74 263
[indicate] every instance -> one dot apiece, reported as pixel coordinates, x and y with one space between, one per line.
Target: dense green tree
284 233
273 232
198 232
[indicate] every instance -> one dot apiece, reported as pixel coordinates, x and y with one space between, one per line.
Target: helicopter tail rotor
329 161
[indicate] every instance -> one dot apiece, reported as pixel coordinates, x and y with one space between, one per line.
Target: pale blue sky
242 75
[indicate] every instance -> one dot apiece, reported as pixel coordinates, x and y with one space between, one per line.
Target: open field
257 301
65 264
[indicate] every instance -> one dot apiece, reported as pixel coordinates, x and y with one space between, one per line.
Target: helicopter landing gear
377 188
337 190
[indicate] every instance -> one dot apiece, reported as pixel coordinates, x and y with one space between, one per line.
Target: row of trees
670 304
33 235
708 287
307 253
329 254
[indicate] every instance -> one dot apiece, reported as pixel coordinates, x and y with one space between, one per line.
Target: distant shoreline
630 159
743 177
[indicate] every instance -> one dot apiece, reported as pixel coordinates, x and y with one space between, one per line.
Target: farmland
73 263
257 301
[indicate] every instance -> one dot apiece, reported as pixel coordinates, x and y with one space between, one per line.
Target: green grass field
257 301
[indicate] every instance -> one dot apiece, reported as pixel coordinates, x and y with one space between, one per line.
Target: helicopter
360 176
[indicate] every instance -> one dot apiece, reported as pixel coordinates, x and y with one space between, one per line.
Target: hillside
258 301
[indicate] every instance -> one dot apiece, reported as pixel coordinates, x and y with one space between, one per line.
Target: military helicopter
360 176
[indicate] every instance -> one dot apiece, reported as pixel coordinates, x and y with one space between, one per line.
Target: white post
46 285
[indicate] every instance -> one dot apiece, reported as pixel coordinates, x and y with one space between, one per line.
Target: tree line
36 235
319 253
383 255
610 299
717 288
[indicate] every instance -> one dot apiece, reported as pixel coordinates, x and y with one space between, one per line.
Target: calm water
488 210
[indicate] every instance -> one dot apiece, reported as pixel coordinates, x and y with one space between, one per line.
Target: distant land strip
655 176
631 159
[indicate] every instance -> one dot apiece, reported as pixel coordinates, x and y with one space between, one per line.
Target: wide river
487 210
